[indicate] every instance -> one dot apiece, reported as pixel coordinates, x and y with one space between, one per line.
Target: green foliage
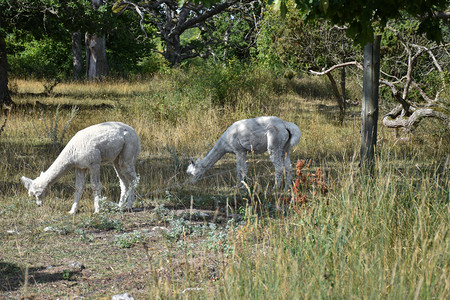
218 238
215 237
151 64
169 107
107 219
228 85
45 51
130 239
179 227
293 43
103 223
234 86
50 58
364 18
44 58
240 30
267 54
128 50
66 274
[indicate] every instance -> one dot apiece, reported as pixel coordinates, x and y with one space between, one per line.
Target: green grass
384 236
380 238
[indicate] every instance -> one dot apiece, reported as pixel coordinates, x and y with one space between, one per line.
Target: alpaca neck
212 157
56 170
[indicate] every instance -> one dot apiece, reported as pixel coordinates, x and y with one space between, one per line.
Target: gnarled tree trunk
399 118
96 64
173 52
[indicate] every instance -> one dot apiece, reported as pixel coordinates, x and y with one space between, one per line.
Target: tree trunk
369 111
5 97
173 51
96 65
77 44
339 99
344 96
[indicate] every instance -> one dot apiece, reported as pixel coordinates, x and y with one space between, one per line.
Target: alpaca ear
26 182
192 161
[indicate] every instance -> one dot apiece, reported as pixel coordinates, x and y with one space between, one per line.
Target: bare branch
206 15
406 106
395 120
351 63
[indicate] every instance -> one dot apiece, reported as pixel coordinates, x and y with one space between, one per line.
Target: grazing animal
256 135
105 142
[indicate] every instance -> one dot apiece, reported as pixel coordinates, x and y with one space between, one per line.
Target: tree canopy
174 18
363 18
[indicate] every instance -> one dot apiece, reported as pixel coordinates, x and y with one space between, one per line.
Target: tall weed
50 127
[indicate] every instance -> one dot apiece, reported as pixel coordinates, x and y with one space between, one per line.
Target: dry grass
385 237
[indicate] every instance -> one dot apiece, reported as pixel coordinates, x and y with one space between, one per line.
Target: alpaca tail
294 132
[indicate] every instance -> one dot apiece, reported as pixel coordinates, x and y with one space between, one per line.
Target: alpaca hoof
240 187
275 188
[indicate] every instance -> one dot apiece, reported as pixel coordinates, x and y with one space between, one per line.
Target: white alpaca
256 135
106 142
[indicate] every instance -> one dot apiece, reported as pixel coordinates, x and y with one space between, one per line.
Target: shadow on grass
52 107
311 89
13 276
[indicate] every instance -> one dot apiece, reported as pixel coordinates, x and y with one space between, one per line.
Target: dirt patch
73 259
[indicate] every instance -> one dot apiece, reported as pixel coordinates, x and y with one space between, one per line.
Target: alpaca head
34 189
194 171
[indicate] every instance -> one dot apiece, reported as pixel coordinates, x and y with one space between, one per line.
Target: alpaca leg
125 165
288 169
80 180
241 168
96 186
131 176
277 161
127 175
275 143
124 184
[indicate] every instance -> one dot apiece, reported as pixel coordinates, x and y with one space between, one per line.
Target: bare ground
81 258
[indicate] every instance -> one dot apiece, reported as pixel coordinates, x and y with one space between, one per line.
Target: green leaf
119 7
280 5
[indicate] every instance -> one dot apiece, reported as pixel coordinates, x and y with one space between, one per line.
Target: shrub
128 240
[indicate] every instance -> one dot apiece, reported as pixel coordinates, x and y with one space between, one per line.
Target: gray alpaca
256 135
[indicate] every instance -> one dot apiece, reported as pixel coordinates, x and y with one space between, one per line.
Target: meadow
342 234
